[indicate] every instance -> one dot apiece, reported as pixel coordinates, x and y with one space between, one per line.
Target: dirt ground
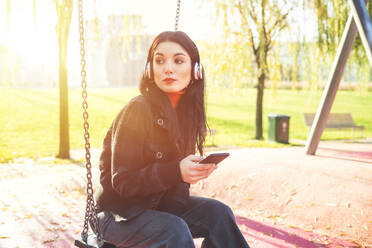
281 197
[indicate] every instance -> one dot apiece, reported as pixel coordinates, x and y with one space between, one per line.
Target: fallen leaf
64 215
268 234
29 216
4 237
288 201
49 241
249 198
328 227
355 242
279 232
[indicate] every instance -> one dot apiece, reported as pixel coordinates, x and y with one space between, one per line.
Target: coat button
159 155
160 122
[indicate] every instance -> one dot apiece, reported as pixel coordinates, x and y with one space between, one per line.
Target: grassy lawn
29 117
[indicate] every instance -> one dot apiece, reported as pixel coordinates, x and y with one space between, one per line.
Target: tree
257 23
64 15
332 16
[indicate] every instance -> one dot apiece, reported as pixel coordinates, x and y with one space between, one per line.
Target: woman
148 162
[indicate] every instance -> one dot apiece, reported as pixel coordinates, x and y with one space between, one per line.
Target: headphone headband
197 69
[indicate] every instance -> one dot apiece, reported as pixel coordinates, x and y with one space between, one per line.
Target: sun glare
33 39
29 38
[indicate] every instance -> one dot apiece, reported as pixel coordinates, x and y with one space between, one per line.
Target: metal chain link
90 211
177 15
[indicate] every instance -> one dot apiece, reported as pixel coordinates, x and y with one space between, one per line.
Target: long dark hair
191 107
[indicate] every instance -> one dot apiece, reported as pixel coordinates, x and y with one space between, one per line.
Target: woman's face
172 67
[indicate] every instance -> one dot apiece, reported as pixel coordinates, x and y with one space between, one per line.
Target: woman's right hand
192 171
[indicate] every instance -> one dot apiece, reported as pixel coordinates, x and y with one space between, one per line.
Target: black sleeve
131 177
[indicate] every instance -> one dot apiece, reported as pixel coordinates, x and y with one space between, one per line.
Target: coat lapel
164 114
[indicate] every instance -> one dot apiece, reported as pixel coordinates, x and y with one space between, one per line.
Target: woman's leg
214 221
151 229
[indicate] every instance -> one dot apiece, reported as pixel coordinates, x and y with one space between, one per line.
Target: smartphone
215 158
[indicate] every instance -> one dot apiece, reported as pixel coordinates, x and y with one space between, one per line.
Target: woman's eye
159 61
179 61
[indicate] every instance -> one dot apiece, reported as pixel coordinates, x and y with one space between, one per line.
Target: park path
42 205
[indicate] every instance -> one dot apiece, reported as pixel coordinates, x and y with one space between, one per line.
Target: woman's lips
169 80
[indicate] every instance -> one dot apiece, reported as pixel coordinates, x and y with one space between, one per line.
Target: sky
35 38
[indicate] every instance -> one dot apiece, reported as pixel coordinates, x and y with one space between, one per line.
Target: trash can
278 129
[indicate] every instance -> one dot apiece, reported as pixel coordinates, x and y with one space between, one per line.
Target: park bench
335 121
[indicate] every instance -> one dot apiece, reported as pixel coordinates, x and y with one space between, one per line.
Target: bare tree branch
249 29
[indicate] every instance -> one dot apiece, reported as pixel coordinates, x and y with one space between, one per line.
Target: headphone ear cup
148 70
198 71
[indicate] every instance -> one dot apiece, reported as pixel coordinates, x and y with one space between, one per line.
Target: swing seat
91 242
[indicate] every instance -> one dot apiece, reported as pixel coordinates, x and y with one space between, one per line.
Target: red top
174 97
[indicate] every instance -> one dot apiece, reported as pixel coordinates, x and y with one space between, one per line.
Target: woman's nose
168 68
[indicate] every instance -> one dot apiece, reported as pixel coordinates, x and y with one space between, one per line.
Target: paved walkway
281 197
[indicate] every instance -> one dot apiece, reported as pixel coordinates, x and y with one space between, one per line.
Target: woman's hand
192 171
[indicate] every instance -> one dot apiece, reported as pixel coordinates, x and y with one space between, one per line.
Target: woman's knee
177 226
178 232
219 209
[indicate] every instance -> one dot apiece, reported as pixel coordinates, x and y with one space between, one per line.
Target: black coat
139 163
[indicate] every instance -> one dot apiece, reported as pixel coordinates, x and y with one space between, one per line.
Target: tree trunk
259 102
64 13
64 137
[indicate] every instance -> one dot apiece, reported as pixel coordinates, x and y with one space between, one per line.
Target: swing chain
177 14
90 211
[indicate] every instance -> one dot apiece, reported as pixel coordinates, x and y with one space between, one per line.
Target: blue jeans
204 218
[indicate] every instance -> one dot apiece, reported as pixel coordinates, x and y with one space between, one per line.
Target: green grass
29 117
233 115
